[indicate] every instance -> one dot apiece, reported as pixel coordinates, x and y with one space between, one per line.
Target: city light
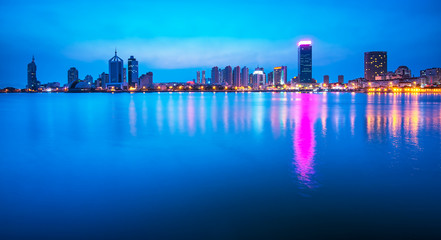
305 42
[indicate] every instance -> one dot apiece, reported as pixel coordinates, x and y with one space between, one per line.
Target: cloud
173 53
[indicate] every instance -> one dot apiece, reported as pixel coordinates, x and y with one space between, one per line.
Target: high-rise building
221 76
280 75
124 75
133 71
259 78
375 64
104 79
228 75
146 80
236 77
250 79
198 77
432 75
341 79
33 84
215 75
270 78
72 75
244 77
305 61
203 77
326 79
116 69
88 79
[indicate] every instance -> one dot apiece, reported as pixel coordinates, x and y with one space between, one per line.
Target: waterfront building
33 84
250 79
146 80
198 77
244 77
203 77
228 75
341 79
236 77
133 71
116 69
221 76
375 64
104 79
305 61
280 75
72 75
432 75
403 71
124 75
259 78
326 79
88 79
215 75
270 78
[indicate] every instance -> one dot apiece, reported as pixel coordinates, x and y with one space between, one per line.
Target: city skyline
173 52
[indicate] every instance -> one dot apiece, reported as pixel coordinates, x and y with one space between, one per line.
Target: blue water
220 166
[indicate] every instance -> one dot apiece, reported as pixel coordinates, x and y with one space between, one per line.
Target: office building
375 64
133 71
259 78
198 77
280 76
146 80
33 84
341 79
116 69
72 75
270 78
203 78
88 79
305 61
326 79
432 75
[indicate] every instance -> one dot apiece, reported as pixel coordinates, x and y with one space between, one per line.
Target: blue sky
175 38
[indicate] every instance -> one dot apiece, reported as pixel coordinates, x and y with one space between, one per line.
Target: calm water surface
220 166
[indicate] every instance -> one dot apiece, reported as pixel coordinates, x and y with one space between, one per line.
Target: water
220 166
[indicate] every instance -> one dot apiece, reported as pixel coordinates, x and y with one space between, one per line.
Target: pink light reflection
304 139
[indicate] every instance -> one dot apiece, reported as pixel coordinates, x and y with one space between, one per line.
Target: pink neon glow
305 43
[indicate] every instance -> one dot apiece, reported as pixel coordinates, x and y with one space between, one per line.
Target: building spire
33 58
115 52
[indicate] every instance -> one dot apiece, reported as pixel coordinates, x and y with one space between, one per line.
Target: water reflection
304 139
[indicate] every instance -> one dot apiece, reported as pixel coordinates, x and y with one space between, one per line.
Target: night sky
175 38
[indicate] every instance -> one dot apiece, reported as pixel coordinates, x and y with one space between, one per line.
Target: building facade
133 72
72 75
280 75
432 75
305 61
244 75
341 79
236 77
326 79
146 80
375 64
228 75
116 69
33 83
215 75
259 78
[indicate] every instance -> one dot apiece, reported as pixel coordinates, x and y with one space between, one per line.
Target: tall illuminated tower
133 71
116 69
305 61
280 75
375 63
32 75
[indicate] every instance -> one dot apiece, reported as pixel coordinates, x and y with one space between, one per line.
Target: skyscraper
341 79
305 61
259 78
326 79
228 75
104 79
72 75
215 75
280 75
244 77
116 69
198 77
270 78
375 63
33 84
203 77
133 71
236 77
